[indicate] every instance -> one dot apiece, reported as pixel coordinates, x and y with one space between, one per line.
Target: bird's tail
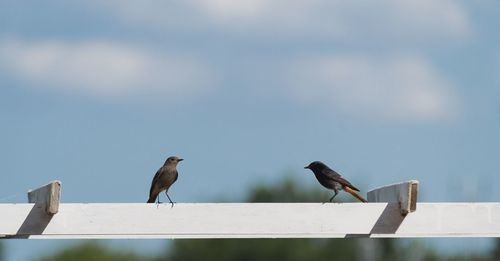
152 198
355 194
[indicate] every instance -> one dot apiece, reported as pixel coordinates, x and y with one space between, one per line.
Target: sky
98 93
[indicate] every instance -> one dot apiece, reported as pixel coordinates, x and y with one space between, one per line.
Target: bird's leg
336 192
171 202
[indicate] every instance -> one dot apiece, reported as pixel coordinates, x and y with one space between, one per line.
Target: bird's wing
333 175
176 176
155 178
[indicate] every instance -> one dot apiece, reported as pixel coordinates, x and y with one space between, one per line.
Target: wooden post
48 196
404 193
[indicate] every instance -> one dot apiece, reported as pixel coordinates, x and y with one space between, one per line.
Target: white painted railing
250 220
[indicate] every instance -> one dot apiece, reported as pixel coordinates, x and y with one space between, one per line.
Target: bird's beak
180 160
306 167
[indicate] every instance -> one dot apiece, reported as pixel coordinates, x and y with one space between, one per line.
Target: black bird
163 179
330 179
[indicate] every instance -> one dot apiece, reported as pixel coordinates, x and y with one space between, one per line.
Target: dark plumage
330 179
163 179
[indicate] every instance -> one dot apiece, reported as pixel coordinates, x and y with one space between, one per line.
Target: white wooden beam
251 220
47 197
404 193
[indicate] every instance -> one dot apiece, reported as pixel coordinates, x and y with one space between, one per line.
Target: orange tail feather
355 194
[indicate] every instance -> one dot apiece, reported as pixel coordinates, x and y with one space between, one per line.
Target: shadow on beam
387 223
34 224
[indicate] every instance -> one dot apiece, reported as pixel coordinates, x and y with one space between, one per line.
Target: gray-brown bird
163 179
330 179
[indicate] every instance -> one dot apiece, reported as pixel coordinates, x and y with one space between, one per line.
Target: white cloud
101 68
402 88
227 10
408 21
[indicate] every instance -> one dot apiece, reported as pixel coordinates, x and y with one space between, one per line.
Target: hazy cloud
402 88
102 68
408 21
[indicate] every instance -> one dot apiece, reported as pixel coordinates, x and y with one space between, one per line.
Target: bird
330 179
163 179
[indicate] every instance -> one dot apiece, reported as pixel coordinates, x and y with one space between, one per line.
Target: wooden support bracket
404 193
47 196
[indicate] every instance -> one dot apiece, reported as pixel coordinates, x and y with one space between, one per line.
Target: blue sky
98 94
